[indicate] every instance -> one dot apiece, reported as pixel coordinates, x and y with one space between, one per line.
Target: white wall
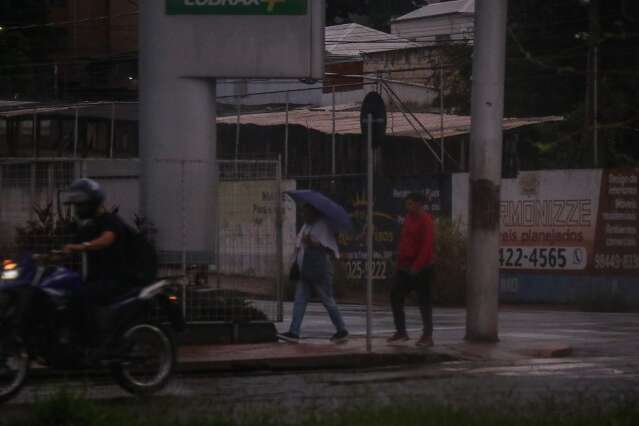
248 229
315 97
426 29
228 87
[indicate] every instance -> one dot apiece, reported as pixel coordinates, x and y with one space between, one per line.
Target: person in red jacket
414 269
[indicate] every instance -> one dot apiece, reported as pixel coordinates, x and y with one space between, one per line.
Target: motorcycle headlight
10 270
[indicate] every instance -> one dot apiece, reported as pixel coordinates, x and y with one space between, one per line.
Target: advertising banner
581 221
616 250
389 214
236 7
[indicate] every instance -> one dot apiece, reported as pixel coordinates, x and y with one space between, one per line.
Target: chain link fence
31 217
237 279
244 280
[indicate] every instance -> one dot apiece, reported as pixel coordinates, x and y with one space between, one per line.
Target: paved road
604 365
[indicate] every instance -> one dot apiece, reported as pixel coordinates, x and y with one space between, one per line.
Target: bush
449 287
47 231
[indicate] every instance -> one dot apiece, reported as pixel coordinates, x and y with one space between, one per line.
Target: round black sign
374 105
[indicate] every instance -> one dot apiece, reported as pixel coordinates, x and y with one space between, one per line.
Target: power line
70 22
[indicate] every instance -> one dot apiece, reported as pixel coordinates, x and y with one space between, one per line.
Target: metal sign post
369 237
373 122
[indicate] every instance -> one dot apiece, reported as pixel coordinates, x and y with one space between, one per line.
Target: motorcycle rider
103 236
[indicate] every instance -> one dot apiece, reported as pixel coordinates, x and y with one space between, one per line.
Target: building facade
438 22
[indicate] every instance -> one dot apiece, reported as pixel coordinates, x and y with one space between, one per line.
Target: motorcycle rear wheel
147 359
14 369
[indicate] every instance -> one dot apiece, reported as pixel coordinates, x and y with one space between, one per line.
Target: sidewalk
319 354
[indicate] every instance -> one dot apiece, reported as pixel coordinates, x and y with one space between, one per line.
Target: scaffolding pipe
369 236
333 166
237 128
75 134
441 114
286 138
112 142
35 134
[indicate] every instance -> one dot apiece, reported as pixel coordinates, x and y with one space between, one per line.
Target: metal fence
239 278
246 281
30 216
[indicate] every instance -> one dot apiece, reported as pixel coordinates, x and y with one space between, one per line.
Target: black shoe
289 337
340 337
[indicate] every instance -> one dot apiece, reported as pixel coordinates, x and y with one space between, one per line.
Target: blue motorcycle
38 324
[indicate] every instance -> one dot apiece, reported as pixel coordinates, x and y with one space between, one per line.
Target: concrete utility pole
593 80
482 296
370 231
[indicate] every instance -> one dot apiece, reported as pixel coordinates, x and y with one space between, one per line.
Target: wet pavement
529 363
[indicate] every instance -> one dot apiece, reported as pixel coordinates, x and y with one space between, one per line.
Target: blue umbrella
334 214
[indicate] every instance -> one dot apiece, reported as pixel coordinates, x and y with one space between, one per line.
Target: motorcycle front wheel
146 359
14 368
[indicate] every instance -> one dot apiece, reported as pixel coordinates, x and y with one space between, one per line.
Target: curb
552 351
310 363
222 333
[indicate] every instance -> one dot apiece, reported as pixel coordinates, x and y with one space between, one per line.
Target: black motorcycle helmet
86 196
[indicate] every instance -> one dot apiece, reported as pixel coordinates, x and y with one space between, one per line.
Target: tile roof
355 40
443 8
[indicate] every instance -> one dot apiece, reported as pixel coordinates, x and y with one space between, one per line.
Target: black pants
404 284
95 294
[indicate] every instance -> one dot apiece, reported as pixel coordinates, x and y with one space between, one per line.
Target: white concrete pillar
177 145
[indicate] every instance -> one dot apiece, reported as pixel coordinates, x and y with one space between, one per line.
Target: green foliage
24 51
550 72
47 231
379 12
449 287
457 77
69 409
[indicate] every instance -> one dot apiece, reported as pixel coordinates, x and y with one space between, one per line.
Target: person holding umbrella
316 247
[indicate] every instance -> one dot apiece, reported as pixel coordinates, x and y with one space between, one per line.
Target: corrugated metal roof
8 105
347 122
123 110
443 8
319 119
355 39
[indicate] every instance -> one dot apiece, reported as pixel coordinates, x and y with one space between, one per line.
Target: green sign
236 7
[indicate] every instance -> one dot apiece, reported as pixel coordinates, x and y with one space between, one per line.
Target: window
45 128
26 128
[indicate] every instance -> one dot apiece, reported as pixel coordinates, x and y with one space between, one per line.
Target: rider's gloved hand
73 248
